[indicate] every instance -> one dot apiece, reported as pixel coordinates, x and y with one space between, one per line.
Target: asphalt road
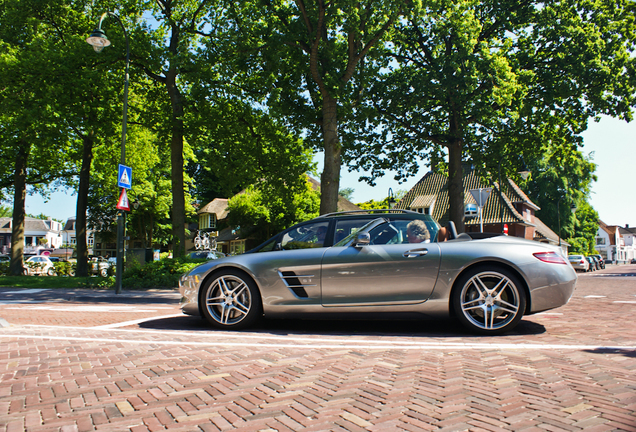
81 360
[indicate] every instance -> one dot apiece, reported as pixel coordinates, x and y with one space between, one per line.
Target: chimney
626 226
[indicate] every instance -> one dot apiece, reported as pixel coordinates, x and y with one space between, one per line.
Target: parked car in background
600 259
206 255
40 265
579 263
5 258
99 266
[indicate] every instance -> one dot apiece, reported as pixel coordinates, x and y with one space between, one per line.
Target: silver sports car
384 270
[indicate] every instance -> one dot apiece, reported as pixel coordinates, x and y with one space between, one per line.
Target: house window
237 247
73 240
207 221
600 240
90 241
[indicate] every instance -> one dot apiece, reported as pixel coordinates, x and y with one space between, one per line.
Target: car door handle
415 253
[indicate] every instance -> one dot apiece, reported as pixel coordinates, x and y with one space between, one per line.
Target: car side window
345 227
311 235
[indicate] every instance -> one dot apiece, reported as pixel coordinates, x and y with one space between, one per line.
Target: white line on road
26 291
317 343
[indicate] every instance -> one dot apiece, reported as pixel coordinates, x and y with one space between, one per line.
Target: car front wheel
489 301
231 300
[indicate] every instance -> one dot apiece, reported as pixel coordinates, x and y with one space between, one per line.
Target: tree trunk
456 184
16 267
176 159
82 205
330 178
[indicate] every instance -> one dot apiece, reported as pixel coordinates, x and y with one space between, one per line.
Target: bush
164 273
63 268
4 268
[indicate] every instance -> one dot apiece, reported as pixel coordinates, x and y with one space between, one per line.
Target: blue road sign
124 178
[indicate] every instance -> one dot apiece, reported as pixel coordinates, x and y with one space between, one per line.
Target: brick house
507 205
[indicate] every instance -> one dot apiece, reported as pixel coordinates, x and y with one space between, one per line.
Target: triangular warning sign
123 203
124 178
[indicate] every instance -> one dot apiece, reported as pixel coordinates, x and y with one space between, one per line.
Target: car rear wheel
51 271
231 300
489 301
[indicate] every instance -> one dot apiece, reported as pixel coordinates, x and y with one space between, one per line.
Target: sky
612 144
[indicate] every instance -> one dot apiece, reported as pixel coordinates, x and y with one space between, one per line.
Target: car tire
71 272
103 272
489 300
51 272
231 300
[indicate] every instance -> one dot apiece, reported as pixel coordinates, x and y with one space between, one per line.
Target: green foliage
580 245
263 211
63 268
346 193
164 273
586 227
4 268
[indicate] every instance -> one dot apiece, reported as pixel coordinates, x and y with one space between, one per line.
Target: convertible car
376 271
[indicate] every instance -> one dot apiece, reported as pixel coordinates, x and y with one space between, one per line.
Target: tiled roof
30 224
541 231
497 207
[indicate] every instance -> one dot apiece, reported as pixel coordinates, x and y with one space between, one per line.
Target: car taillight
550 257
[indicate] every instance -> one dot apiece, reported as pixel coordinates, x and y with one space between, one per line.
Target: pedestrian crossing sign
124 178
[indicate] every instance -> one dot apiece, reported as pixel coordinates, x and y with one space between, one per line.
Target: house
505 205
38 234
615 243
233 240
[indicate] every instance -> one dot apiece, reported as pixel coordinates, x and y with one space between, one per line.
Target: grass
49 282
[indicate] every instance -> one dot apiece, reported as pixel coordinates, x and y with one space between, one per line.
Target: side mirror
363 239
278 247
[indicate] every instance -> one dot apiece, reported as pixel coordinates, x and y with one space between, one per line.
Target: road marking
91 308
309 343
595 296
26 291
626 301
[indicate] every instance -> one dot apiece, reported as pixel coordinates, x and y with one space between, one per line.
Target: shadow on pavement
438 328
623 352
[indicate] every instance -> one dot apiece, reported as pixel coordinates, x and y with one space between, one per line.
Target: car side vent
297 283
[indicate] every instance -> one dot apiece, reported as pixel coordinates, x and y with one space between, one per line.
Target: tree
586 227
486 82
35 145
265 212
561 180
315 58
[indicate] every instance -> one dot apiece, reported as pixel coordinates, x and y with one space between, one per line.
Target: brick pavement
79 370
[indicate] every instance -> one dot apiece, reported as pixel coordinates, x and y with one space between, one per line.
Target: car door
388 271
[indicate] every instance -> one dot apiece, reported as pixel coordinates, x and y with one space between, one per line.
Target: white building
38 234
616 243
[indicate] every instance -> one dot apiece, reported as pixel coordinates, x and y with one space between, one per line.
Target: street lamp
391 199
524 172
99 40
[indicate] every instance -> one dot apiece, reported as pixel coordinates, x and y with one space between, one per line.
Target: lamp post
99 40
524 172
391 199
